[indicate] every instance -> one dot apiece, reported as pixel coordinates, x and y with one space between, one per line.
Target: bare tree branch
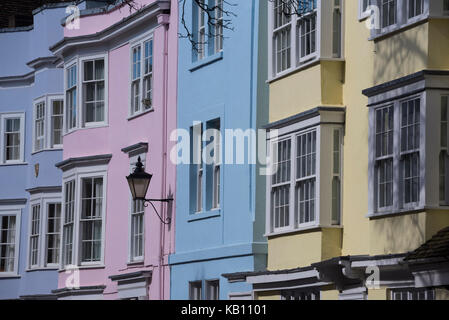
218 18
287 8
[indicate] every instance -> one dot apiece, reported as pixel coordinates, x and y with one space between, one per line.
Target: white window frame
393 25
82 82
197 151
217 168
37 103
3 118
79 106
201 33
78 174
415 17
131 258
64 224
73 63
296 61
398 203
140 43
218 45
298 34
51 100
43 200
294 223
16 211
47 100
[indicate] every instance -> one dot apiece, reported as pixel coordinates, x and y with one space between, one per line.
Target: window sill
85 267
139 263
105 125
402 211
48 149
137 115
14 164
9 275
42 269
206 61
387 31
204 215
312 228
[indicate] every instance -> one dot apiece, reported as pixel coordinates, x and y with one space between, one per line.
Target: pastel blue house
220 206
31 115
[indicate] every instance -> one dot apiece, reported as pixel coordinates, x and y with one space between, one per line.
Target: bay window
141 76
295 200
86 94
83 215
408 141
296 29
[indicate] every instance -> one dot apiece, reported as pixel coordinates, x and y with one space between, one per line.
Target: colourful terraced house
120 81
358 132
220 205
31 111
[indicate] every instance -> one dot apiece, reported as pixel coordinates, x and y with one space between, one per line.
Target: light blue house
31 117
220 206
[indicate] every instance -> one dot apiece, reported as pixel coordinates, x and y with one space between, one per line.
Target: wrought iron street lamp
138 182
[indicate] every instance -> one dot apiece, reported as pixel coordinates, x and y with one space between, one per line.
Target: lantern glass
139 181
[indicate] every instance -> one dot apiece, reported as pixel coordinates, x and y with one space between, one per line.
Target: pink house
120 75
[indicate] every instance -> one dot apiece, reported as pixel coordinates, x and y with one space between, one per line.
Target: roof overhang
134 20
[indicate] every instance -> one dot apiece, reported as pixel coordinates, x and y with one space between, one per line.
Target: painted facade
361 152
30 186
220 207
120 92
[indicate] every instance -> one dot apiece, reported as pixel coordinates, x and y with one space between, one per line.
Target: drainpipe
163 20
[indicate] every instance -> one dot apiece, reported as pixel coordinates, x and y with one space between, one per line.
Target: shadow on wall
401 54
398 234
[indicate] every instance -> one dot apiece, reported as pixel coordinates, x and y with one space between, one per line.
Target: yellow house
358 138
